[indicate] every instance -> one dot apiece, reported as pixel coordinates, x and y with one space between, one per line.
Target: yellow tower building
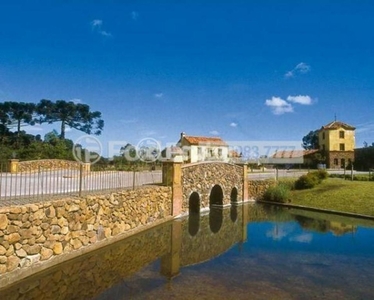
337 141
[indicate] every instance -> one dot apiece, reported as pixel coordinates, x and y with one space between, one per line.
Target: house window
323 135
341 134
341 147
323 147
336 162
219 152
342 162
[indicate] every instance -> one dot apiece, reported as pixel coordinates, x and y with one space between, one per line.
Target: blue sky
242 70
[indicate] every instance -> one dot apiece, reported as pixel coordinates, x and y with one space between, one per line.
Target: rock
14 238
45 253
3 221
12 263
2 250
57 248
50 212
21 253
3 269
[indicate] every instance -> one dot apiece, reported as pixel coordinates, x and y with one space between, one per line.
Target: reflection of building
337 141
338 228
199 148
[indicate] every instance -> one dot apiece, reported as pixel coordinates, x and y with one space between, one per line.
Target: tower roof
337 125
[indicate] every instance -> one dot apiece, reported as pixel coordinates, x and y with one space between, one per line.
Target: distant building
337 142
200 148
294 157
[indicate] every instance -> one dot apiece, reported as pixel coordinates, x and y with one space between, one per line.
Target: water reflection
215 218
284 247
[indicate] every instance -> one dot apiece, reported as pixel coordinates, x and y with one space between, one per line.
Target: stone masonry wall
50 164
202 177
257 188
34 233
91 274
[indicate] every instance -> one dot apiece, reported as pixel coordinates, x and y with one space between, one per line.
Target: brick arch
202 177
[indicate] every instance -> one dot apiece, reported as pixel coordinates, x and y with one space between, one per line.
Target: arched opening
194 214
194 203
216 196
215 219
234 195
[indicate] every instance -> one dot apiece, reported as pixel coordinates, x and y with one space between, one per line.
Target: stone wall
339 155
45 164
201 177
257 188
35 233
90 275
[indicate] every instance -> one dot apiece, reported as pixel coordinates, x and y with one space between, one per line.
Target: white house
201 148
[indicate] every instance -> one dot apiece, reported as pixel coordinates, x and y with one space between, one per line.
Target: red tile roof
337 125
202 140
294 153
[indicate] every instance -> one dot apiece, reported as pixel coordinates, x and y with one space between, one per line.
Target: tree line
16 143
75 115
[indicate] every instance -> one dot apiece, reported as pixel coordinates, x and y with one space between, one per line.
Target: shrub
307 181
279 193
289 183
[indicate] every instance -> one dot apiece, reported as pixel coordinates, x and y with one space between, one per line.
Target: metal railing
34 186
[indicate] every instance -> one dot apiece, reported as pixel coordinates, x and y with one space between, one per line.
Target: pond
240 252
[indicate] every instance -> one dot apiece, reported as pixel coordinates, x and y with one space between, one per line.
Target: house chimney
182 135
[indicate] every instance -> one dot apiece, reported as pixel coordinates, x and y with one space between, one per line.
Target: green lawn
340 195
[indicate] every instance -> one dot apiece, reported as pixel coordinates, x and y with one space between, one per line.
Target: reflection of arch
216 196
193 214
234 195
193 223
215 219
233 213
194 202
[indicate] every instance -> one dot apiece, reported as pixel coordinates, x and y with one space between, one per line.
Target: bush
287 182
307 181
279 193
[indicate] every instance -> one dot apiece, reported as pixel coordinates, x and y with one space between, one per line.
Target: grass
339 195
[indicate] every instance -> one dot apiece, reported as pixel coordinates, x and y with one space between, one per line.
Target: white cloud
304 100
365 127
96 26
301 68
302 238
134 15
76 100
278 105
214 132
96 23
233 124
159 95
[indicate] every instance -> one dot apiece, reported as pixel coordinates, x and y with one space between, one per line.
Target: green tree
74 115
310 141
19 113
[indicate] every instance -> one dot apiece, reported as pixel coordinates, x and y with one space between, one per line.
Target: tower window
341 147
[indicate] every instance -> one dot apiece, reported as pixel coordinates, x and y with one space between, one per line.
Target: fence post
133 178
80 179
13 165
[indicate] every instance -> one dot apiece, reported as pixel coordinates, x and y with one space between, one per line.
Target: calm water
245 252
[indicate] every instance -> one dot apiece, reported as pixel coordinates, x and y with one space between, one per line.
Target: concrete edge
329 211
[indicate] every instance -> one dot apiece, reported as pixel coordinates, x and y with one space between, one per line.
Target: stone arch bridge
202 185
